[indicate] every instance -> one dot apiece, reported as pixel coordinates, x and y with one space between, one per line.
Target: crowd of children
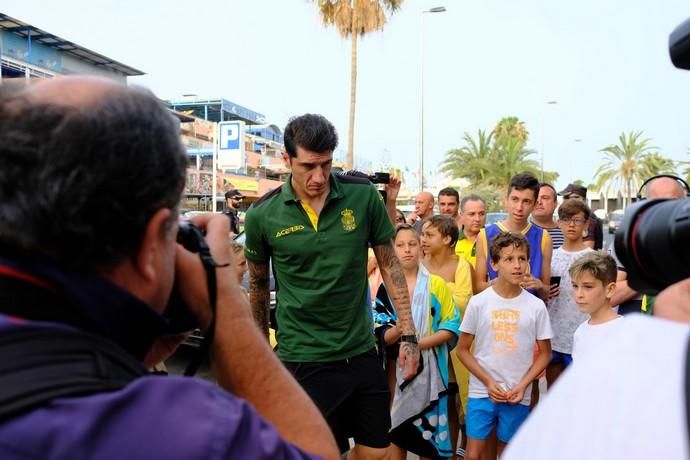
533 309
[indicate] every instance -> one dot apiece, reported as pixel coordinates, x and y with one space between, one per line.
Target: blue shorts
561 358
483 412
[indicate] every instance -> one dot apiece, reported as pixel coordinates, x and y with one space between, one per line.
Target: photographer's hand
244 363
674 302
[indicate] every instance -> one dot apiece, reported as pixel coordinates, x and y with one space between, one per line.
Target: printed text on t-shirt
505 325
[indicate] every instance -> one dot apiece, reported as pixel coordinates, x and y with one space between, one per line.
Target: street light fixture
543 135
436 9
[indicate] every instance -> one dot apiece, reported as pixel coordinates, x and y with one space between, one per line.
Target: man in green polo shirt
316 229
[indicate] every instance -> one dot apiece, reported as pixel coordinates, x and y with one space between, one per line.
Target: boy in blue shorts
503 322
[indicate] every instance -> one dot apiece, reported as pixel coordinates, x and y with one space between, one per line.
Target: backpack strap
39 365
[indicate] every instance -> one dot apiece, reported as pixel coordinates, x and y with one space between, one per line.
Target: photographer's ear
155 245
148 272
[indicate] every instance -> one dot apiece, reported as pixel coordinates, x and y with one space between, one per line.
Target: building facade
262 168
29 52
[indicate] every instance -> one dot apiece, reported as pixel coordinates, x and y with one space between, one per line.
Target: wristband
408 338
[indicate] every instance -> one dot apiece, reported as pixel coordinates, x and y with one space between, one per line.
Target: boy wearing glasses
594 236
573 216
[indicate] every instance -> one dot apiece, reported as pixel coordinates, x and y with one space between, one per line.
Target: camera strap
210 266
41 364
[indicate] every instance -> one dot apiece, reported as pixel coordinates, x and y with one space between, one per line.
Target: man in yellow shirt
472 218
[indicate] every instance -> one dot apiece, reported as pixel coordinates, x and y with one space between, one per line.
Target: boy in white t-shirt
503 321
594 282
564 313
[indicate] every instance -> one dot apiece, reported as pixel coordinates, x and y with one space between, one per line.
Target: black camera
652 244
652 241
380 178
177 313
376 178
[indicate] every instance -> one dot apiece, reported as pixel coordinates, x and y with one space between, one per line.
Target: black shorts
352 395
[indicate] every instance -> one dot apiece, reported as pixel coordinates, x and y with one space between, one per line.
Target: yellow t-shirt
467 249
461 286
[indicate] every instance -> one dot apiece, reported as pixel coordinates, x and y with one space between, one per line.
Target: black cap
574 189
234 194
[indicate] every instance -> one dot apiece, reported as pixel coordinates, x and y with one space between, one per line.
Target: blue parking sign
229 135
231 145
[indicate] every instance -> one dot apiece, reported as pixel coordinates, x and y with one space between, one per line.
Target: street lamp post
437 9
543 136
572 167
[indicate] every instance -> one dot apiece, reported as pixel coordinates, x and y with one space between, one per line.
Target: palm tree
623 164
550 177
471 161
509 159
511 128
484 161
653 164
685 172
353 18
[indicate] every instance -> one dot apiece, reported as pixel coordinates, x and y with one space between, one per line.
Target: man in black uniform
233 200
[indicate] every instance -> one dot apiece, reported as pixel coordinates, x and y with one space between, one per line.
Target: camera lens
652 244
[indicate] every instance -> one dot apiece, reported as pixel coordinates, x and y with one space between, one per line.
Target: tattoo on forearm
259 295
394 277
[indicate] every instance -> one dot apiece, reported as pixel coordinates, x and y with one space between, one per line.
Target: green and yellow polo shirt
466 249
320 266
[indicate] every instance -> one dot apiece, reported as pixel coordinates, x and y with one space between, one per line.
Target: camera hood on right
653 244
679 45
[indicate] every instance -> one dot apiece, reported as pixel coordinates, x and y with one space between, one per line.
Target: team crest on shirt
348 220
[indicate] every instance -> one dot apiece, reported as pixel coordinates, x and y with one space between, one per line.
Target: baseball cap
234 194
574 189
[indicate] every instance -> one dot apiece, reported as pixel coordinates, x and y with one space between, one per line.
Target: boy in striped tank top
542 214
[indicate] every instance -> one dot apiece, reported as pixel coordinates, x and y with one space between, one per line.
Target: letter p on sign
230 136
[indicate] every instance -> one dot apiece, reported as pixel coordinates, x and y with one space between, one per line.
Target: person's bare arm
259 295
539 364
623 291
673 303
547 253
436 339
392 190
243 362
474 280
496 393
480 270
394 279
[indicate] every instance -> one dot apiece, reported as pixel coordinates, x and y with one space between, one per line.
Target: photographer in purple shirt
90 187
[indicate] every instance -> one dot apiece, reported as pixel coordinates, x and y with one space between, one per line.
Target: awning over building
35 46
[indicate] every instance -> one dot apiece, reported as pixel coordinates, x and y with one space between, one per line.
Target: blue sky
605 62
